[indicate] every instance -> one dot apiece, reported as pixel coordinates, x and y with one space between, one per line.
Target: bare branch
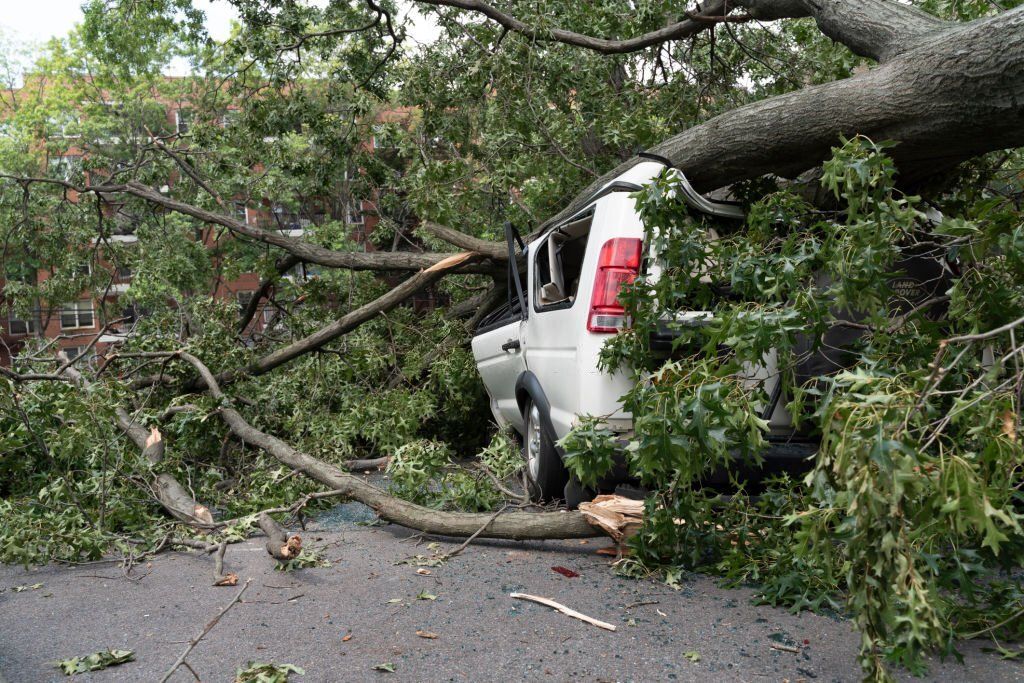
282 267
676 31
494 250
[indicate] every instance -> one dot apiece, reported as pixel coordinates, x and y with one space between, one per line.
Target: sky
31 22
36 21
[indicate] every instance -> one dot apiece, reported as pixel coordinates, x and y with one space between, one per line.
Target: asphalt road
303 618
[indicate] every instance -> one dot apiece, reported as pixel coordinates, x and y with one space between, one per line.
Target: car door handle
511 345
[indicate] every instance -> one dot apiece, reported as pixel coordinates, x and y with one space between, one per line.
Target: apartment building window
244 299
75 355
241 212
83 269
20 271
18 325
354 213
130 314
286 219
67 167
64 125
182 121
77 315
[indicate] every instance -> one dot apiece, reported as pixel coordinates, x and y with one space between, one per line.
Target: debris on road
95 662
783 648
33 587
269 672
617 516
565 571
564 610
429 635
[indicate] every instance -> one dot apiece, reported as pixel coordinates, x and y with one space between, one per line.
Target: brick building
72 326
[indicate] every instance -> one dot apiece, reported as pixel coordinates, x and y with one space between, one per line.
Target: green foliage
910 509
424 472
95 662
309 558
266 672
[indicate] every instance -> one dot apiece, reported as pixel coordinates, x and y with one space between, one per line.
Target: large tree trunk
948 92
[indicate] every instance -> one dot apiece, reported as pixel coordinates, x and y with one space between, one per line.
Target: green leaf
95 662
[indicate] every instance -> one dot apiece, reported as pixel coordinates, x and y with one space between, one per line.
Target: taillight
617 265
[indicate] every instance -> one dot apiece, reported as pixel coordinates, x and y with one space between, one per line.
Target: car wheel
576 493
544 468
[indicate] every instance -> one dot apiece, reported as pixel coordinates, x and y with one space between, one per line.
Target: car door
499 345
499 356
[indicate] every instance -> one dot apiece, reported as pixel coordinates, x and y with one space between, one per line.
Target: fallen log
167 490
511 525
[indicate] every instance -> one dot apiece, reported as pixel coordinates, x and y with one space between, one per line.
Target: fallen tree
945 91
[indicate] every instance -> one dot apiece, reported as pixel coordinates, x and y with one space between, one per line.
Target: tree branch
304 251
493 250
281 267
513 525
878 29
328 333
676 31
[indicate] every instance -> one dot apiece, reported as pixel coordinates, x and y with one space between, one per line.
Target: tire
544 468
576 493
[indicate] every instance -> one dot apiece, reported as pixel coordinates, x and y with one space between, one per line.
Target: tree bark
169 492
367 464
878 29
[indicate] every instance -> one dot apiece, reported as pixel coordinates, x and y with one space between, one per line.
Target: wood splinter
564 610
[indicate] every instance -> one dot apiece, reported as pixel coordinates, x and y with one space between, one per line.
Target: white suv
538 355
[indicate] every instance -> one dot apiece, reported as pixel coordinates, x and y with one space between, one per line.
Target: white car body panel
555 343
